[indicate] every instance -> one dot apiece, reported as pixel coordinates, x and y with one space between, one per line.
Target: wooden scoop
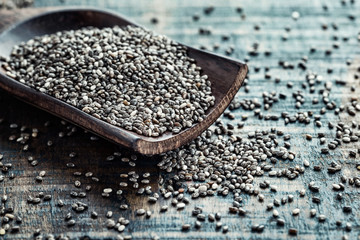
226 76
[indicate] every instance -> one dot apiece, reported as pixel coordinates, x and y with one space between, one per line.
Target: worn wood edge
40 12
183 137
142 144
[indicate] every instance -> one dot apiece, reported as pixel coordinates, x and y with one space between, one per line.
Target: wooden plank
175 20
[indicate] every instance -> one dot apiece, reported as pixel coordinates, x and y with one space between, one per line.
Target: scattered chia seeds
219 162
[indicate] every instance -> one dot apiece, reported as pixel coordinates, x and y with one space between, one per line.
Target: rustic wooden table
175 20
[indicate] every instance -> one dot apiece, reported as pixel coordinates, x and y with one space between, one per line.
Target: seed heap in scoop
128 77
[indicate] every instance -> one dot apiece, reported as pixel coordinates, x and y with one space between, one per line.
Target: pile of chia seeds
128 77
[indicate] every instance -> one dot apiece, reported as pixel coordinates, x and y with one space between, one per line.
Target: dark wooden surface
175 20
226 76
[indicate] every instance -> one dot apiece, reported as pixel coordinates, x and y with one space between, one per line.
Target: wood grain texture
175 20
